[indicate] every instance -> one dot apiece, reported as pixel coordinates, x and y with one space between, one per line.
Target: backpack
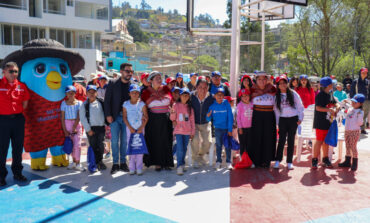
87 110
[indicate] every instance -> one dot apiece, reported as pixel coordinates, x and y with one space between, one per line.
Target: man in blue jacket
201 100
216 83
361 86
222 116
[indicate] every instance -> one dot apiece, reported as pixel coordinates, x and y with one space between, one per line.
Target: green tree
135 31
206 60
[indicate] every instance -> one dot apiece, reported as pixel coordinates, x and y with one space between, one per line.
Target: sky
216 8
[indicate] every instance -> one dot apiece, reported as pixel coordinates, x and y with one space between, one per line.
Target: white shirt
288 111
134 113
96 115
354 119
265 99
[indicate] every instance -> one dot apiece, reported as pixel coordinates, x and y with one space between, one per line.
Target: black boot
354 164
315 162
326 162
346 163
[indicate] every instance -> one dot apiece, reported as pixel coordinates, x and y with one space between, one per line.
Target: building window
53 34
91 10
55 6
42 33
17 35
25 35
34 33
84 40
68 42
7 35
60 36
69 2
97 40
15 4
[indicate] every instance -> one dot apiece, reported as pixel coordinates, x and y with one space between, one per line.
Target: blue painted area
115 60
362 215
44 200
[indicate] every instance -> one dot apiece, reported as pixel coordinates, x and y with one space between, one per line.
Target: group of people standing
189 114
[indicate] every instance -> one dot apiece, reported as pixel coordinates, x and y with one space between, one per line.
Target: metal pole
263 37
279 50
354 52
235 47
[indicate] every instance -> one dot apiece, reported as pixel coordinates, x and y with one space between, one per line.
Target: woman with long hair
289 114
293 83
305 91
180 80
245 83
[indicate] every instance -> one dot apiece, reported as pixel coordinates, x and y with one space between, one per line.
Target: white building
119 37
77 24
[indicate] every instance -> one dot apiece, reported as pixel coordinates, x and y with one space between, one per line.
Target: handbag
91 160
332 137
246 162
68 145
137 144
230 143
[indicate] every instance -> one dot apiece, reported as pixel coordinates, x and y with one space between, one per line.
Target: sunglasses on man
129 71
13 71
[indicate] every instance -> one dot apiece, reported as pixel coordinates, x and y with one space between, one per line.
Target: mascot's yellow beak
54 80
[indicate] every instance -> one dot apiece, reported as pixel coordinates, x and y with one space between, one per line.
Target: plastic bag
68 145
332 137
136 144
91 160
246 162
230 143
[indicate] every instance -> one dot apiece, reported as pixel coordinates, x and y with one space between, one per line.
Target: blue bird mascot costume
46 67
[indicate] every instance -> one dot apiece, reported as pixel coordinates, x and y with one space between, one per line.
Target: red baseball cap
229 98
144 75
170 79
246 76
281 77
244 91
364 69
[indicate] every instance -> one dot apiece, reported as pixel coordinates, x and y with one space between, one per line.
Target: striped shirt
70 111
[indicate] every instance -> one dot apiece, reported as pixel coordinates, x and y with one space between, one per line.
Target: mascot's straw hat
46 48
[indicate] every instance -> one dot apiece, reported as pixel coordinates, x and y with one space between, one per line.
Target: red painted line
260 195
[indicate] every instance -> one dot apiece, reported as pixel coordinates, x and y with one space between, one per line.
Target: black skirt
263 145
158 137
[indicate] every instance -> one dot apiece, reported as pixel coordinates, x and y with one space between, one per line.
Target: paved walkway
201 195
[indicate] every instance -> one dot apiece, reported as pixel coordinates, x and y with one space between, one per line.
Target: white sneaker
253 166
277 164
71 166
132 172
79 167
218 166
229 166
180 170
195 164
139 172
290 166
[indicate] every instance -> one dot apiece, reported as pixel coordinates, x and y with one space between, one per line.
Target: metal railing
22 7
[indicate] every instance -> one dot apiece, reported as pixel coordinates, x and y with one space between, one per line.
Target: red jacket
307 96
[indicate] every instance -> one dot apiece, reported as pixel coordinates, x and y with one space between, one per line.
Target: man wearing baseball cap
361 86
216 83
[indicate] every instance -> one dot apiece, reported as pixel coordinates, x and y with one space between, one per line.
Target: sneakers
101 166
229 166
124 167
180 171
71 166
354 164
363 132
218 166
326 162
346 163
290 166
277 164
19 177
79 167
315 162
195 164
132 172
115 169
139 172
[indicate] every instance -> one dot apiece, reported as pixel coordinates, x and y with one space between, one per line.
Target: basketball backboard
274 10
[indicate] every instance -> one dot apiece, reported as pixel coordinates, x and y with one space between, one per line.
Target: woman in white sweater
289 114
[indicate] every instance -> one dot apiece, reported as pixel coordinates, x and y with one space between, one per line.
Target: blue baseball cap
175 88
220 90
91 87
103 77
192 74
184 91
179 75
360 98
214 73
326 81
303 76
134 87
70 88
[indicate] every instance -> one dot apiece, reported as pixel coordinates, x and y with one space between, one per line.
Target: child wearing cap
180 80
326 109
135 116
71 125
244 120
103 83
93 120
354 121
182 117
221 114
175 91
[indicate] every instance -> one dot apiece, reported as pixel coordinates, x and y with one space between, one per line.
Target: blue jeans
219 134
118 131
182 145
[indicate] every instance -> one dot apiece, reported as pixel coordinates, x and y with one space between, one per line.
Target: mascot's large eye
40 68
63 69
